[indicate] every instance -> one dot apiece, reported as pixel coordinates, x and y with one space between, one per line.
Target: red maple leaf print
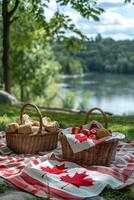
77 180
57 169
81 138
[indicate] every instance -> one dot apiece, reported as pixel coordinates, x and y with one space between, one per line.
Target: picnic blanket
47 175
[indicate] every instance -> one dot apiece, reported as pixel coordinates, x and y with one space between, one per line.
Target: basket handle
103 113
38 111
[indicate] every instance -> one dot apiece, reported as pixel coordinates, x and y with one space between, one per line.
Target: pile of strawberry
91 133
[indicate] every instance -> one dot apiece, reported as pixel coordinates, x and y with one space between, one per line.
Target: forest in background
26 32
38 65
97 55
40 51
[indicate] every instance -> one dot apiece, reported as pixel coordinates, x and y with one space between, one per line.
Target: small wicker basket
100 154
30 144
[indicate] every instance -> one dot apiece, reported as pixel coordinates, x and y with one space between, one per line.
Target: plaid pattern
47 175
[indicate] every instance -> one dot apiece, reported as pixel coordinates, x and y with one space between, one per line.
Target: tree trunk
21 92
7 15
5 57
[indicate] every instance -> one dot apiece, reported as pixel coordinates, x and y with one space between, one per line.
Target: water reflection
113 93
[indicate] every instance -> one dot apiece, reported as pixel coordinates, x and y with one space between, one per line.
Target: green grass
124 124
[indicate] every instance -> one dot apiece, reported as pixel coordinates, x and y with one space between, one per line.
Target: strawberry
93 136
76 130
85 132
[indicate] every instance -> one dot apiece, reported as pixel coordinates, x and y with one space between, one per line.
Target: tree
55 27
100 55
32 60
7 21
129 1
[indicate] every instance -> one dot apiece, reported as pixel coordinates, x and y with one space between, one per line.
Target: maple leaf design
78 180
57 169
81 138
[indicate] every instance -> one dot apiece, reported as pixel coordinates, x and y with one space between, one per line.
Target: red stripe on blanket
35 162
31 181
104 170
3 158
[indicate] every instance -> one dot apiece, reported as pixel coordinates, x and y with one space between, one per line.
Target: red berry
73 130
92 136
85 132
89 133
76 130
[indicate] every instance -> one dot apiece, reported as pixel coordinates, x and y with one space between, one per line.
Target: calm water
111 92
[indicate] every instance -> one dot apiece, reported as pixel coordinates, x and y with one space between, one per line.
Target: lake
112 92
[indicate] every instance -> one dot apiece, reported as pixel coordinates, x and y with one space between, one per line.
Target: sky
116 22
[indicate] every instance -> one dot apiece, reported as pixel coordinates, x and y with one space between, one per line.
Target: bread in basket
30 136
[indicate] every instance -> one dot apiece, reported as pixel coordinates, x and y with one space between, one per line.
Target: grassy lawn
124 124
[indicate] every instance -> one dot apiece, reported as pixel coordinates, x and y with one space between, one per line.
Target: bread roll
25 129
35 123
102 132
46 121
12 128
35 130
44 132
52 126
26 119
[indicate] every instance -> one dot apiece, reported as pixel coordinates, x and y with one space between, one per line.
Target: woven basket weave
30 144
100 154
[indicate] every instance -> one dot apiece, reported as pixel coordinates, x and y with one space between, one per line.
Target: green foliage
75 66
56 26
68 100
101 55
83 104
33 64
30 32
50 97
86 8
65 52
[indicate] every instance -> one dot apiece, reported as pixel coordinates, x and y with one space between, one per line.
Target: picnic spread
73 163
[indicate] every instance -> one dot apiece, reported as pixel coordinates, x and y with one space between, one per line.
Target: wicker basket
100 154
30 144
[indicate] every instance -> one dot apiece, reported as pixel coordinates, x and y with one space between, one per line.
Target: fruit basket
102 153
21 138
